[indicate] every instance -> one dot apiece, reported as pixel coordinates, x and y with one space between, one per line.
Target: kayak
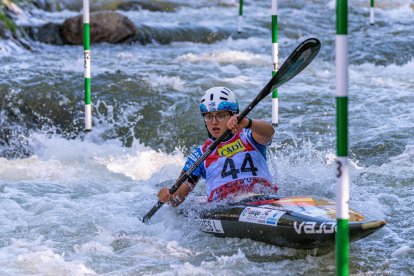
304 222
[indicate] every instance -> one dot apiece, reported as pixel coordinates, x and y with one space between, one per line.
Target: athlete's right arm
178 197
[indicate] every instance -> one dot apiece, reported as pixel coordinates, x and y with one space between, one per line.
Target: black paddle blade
301 57
298 60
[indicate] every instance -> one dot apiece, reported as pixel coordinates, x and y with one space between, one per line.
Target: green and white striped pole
87 65
342 171
240 22
371 13
275 60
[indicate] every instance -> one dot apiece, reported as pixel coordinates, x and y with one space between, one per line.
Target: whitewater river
70 202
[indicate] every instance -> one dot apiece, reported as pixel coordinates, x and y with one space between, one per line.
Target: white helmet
217 99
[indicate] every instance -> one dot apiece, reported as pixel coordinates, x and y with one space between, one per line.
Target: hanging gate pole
275 61
342 171
87 66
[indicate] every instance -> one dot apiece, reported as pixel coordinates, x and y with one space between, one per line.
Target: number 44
230 169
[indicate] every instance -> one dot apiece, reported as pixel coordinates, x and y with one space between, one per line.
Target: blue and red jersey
236 165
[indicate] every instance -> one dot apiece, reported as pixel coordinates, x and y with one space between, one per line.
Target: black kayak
305 222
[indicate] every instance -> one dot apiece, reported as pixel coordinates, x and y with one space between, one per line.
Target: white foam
226 56
67 161
12 214
188 269
93 247
395 10
403 251
221 265
33 168
391 6
390 75
40 17
406 158
144 163
9 47
160 81
33 258
174 249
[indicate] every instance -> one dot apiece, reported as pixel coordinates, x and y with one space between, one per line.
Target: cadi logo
231 149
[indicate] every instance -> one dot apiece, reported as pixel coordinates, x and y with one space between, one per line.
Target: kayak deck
299 222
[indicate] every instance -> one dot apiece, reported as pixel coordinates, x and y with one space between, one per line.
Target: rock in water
105 26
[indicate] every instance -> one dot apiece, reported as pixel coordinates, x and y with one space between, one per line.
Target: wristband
249 125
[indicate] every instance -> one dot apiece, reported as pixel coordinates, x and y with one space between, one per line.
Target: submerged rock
110 27
105 26
48 33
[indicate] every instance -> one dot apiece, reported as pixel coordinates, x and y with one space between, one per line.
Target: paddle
293 65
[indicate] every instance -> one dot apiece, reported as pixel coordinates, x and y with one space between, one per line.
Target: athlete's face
216 122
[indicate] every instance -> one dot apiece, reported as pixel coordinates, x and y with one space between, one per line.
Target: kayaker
238 164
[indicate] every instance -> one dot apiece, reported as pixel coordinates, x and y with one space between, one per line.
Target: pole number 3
338 168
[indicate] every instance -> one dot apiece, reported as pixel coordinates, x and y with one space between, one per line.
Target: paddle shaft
289 69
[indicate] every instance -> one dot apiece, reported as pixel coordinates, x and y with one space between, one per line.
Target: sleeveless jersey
235 165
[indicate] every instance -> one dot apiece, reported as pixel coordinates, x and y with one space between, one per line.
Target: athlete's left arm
262 132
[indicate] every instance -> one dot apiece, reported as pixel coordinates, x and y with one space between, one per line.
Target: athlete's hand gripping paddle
293 65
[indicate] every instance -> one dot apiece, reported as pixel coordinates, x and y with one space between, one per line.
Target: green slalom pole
240 22
87 65
371 13
275 60
342 170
